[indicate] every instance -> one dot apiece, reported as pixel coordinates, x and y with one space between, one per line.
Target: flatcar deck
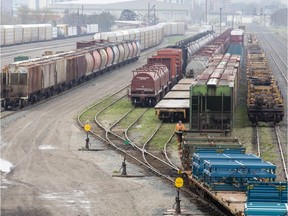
187 81
181 87
177 95
173 104
234 202
176 102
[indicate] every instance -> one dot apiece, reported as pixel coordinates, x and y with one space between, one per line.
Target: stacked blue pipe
199 158
235 175
266 209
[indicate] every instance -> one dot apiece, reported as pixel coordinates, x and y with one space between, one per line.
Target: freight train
148 36
34 79
29 33
264 100
218 169
212 92
202 58
148 85
215 163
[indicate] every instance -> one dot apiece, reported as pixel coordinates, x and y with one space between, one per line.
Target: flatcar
218 169
175 104
264 99
174 58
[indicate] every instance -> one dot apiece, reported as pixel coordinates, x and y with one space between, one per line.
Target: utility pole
220 18
82 19
206 12
148 15
78 16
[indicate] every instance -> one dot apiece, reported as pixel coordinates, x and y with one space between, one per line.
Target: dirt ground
49 176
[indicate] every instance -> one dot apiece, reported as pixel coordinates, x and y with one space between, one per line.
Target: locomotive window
14 78
23 79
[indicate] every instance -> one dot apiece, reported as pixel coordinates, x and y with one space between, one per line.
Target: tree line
26 15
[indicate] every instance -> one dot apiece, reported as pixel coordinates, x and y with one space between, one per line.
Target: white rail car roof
173 104
188 81
181 87
177 95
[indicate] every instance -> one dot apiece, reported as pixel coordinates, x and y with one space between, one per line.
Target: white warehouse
163 10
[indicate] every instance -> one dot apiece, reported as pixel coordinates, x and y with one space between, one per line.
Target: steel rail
281 152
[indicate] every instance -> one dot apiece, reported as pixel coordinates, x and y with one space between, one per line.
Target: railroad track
283 159
276 148
156 162
278 54
144 54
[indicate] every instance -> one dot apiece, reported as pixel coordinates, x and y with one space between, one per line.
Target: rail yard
213 96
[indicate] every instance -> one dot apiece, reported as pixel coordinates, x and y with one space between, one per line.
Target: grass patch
174 39
131 117
115 112
90 114
241 118
242 128
267 144
162 136
144 127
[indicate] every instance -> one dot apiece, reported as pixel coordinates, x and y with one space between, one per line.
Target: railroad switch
177 199
87 142
178 183
87 128
124 171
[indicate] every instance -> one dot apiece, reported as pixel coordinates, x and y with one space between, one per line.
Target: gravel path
51 177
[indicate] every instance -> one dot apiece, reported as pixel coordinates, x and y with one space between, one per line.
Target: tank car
200 59
35 79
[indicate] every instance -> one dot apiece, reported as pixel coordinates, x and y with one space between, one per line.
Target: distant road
37 49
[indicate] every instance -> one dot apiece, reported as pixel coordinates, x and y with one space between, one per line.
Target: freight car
214 96
218 169
175 104
264 99
29 33
211 98
92 59
167 111
200 59
148 36
31 80
175 59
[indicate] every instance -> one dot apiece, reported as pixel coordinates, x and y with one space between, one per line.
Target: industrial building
165 11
